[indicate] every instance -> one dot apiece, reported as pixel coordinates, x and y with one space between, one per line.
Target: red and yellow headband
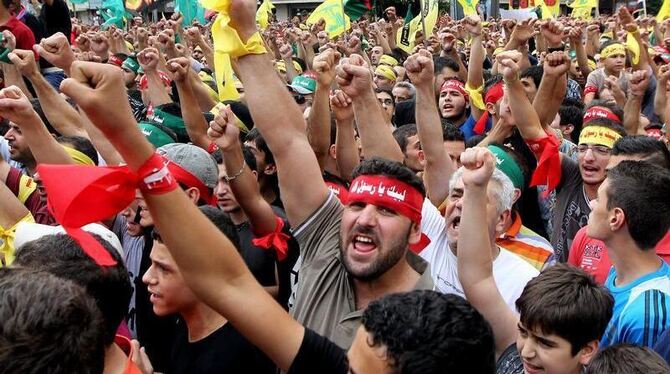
600 112
599 135
612 50
455 84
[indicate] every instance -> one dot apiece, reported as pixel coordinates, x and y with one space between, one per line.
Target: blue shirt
640 309
468 127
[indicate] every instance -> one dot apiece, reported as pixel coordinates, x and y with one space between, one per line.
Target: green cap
507 164
303 85
131 64
155 135
174 123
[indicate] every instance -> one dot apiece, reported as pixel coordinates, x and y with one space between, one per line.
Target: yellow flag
225 83
584 4
546 12
332 12
664 12
634 48
406 35
263 14
582 13
469 7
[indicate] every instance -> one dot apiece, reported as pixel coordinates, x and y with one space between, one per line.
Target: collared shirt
527 244
325 298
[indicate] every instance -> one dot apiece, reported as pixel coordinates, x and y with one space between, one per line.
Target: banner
664 12
332 12
407 34
263 14
581 13
584 4
469 7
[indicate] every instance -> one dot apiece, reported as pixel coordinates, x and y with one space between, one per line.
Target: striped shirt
640 308
527 244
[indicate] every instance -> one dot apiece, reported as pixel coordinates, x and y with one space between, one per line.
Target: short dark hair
608 123
249 158
535 73
565 301
222 222
474 140
627 359
402 133
652 150
439 63
255 136
82 145
612 107
62 256
632 186
49 325
428 332
572 115
388 168
451 132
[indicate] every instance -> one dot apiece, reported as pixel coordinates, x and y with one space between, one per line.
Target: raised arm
62 116
17 108
476 64
280 121
576 43
439 166
318 123
346 149
637 86
554 83
149 60
57 51
527 120
355 79
11 74
475 264
661 96
209 262
196 125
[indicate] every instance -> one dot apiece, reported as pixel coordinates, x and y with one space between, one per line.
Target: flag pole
423 24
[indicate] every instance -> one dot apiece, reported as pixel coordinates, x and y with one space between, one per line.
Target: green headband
171 121
131 64
155 135
507 164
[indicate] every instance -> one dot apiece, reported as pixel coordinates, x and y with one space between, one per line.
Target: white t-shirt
510 272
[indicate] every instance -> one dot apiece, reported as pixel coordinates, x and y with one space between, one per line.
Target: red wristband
154 176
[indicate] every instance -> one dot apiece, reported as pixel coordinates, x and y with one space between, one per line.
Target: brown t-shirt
325 300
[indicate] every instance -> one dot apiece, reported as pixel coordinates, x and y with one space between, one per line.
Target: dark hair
565 301
37 107
439 63
49 325
474 140
388 168
632 186
249 158
612 107
388 92
608 123
402 133
62 256
255 136
222 222
535 73
492 81
648 148
572 115
429 332
451 132
81 144
241 111
627 359
571 101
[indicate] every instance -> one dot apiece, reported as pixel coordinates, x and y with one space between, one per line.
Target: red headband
389 193
78 195
454 84
493 95
189 180
115 61
144 82
599 112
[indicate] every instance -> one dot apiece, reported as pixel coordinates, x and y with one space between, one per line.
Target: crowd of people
246 197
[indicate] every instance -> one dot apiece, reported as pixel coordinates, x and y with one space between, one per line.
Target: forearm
462 69
245 188
376 137
346 149
631 114
201 94
156 89
660 100
194 121
527 119
549 98
43 145
13 77
62 116
11 209
101 143
476 63
475 263
582 59
438 164
383 42
318 125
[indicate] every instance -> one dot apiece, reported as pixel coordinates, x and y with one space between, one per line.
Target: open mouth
363 243
456 222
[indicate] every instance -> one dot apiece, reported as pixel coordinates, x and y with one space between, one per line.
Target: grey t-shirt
572 209
325 301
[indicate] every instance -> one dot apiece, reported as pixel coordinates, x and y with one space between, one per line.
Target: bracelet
230 179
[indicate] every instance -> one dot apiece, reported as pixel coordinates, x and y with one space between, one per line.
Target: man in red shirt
24 36
591 254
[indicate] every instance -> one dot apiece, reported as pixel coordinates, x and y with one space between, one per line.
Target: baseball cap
193 159
303 85
28 231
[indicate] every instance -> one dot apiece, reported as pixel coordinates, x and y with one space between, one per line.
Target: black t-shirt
317 354
510 362
36 26
223 351
56 18
261 262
